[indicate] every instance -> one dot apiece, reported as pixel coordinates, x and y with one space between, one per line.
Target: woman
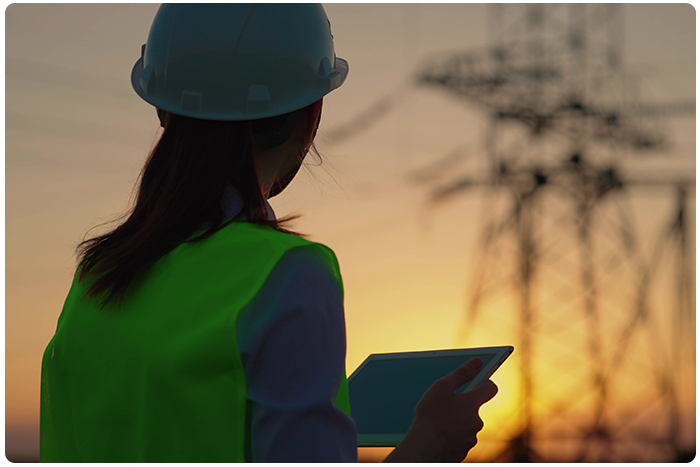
201 329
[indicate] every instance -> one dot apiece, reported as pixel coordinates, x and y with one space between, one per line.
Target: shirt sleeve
292 343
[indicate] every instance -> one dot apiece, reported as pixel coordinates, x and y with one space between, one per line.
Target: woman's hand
445 424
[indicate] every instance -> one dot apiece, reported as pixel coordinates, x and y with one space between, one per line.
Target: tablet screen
385 392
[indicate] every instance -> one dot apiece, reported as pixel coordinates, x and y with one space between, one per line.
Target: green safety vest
160 379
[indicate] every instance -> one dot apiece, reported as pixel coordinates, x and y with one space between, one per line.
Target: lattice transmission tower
564 116
563 80
556 74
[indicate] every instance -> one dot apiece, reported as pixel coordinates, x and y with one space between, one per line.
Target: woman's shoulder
263 234
239 237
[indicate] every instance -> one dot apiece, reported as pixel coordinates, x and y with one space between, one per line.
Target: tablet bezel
389 439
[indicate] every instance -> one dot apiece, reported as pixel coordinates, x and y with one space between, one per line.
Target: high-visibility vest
160 379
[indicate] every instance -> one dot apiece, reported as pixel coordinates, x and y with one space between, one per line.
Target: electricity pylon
554 76
559 73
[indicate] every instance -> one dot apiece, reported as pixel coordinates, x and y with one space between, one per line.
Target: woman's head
278 149
241 88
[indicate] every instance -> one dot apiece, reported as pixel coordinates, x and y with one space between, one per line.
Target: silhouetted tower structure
554 76
558 70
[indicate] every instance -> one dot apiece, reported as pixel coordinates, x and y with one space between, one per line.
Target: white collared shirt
292 343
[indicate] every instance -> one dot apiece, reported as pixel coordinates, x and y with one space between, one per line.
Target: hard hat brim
341 66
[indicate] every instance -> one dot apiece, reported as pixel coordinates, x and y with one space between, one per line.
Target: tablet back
385 389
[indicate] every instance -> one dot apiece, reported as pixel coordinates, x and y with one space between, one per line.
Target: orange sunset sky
77 136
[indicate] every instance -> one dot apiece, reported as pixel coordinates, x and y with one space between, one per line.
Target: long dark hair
182 185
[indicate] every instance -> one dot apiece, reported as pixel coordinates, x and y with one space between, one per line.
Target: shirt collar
232 204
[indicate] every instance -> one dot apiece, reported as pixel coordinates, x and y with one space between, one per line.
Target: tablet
385 388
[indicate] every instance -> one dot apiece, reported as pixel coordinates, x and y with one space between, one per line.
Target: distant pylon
554 77
559 73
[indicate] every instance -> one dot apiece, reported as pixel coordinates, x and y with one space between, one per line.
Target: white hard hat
233 61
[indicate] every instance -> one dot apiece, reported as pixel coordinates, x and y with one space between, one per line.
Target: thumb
463 374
